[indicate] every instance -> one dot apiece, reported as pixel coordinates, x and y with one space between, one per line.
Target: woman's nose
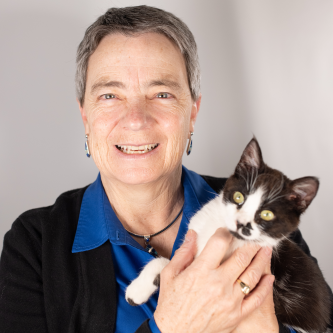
136 117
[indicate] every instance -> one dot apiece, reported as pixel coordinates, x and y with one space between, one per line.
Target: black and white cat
260 204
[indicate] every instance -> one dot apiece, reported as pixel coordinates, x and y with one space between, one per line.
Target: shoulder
39 223
215 183
67 204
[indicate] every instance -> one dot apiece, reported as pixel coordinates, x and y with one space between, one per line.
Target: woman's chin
138 175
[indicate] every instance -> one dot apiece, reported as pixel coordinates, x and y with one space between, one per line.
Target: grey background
267 70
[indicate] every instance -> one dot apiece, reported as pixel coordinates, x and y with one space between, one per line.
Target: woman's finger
234 266
253 273
215 249
256 298
268 267
184 256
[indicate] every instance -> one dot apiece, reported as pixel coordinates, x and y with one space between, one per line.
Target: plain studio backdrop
267 69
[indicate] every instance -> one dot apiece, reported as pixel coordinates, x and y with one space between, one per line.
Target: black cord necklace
147 238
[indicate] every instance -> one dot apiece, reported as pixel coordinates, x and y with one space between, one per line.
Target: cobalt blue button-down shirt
98 223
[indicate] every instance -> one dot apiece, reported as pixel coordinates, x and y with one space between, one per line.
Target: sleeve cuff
153 326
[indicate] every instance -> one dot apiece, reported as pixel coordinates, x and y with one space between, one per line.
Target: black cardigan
44 287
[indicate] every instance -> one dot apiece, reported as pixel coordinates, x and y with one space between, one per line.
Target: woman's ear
194 113
84 117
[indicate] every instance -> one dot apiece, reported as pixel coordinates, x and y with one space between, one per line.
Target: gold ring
245 288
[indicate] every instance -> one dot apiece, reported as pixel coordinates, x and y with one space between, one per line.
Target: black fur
301 296
156 281
130 302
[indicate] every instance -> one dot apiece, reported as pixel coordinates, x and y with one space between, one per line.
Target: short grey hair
131 21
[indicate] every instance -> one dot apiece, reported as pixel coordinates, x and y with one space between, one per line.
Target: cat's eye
267 215
238 198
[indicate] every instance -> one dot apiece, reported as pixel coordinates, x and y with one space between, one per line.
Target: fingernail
189 236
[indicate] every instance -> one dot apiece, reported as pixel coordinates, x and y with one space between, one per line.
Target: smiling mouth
136 149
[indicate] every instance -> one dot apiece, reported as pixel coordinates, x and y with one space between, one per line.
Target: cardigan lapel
98 301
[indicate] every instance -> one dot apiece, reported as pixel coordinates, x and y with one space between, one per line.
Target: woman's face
138 109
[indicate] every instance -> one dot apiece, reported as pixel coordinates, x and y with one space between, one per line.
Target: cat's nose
239 225
248 225
245 225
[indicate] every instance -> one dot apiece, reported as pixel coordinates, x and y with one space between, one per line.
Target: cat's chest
206 221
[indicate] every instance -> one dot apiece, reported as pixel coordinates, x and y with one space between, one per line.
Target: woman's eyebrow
106 84
164 82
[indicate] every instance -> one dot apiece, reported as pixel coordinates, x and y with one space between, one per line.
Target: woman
64 268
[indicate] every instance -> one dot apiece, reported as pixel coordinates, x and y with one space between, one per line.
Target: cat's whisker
211 192
243 167
276 252
274 199
286 238
246 182
251 184
256 177
275 191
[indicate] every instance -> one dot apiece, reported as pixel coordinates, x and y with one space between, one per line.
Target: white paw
139 291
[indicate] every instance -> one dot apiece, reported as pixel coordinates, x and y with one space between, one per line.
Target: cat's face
262 204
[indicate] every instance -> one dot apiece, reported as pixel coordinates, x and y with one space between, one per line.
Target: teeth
137 149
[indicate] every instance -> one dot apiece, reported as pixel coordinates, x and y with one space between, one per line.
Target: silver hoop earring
189 146
86 147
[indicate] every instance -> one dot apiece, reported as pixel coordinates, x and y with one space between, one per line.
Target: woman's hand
263 319
203 296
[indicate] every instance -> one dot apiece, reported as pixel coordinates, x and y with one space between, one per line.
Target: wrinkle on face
135 70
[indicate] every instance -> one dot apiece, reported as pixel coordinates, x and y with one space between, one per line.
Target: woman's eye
163 95
267 215
238 198
109 96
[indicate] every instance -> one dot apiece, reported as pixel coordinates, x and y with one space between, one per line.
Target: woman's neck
146 208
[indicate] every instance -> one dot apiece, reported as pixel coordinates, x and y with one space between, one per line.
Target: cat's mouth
236 235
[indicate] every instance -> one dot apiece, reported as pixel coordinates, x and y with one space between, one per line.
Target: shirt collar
99 223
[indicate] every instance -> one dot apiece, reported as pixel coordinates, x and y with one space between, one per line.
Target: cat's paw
139 291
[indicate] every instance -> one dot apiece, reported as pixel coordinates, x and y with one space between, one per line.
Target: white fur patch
264 240
143 286
250 207
215 214
207 220
246 215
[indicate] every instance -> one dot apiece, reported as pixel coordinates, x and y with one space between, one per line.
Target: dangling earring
86 147
189 146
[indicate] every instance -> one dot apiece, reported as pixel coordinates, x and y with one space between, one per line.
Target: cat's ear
251 157
303 191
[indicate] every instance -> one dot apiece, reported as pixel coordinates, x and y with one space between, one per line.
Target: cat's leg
146 283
